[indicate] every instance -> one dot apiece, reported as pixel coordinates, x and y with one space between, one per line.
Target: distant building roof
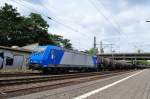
16 49
31 46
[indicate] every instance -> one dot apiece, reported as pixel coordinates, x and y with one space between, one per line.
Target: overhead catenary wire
113 18
45 16
116 26
116 22
105 17
32 9
84 34
59 18
50 18
58 22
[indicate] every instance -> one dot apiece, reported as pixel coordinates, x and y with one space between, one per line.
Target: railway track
32 79
18 74
15 87
37 74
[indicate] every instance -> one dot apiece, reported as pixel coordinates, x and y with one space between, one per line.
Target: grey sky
121 22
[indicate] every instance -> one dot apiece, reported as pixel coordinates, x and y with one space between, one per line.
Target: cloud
138 2
121 22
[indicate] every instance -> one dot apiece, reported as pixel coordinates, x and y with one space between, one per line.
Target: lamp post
147 21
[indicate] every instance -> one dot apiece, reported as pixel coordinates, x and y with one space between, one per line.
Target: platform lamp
147 21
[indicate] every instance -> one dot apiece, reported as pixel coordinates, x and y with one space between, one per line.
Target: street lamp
147 21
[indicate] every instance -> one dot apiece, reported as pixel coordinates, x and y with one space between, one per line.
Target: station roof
16 49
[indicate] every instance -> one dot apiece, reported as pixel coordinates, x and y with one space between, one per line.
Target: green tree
60 41
9 22
143 62
38 29
92 51
66 43
19 30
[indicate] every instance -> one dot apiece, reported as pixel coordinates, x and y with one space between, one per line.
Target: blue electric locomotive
54 58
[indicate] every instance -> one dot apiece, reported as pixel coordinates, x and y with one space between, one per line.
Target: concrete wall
12 60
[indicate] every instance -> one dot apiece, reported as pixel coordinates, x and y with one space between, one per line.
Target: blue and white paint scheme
54 56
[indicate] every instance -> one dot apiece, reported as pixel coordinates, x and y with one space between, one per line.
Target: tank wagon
110 64
54 58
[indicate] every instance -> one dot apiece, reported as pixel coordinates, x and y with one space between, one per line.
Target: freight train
56 59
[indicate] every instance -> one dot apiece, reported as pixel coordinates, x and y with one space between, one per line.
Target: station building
14 58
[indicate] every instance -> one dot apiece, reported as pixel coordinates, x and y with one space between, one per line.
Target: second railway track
17 87
42 78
